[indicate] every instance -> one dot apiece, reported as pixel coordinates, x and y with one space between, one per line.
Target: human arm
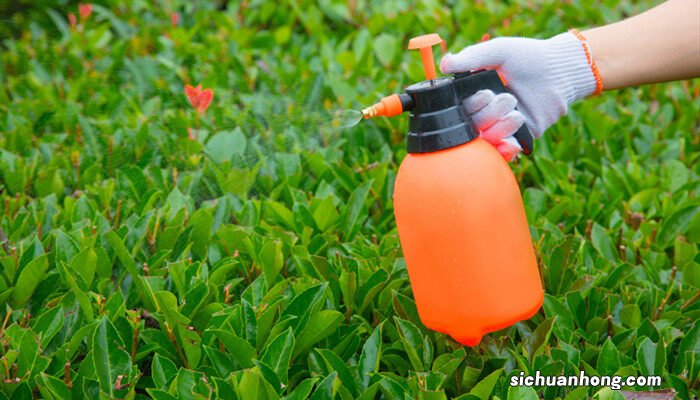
659 45
545 76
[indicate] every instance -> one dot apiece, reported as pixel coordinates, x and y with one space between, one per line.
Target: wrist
573 69
589 58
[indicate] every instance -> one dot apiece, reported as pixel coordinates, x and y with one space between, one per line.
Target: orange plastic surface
389 106
466 241
428 40
425 45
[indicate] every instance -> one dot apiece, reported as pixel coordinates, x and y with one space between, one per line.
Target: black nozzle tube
406 102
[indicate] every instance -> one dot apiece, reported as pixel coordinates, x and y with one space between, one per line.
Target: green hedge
254 255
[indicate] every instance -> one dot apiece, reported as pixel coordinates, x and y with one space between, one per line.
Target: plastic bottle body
466 241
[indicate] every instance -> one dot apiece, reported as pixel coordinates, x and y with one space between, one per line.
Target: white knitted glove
544 75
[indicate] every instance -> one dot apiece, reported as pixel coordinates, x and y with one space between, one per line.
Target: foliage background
261 260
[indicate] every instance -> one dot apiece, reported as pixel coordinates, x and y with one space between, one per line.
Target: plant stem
197 131
66 375
4 242
691 300
173 340
135 339
659 310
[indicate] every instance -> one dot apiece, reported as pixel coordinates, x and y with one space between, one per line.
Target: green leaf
49 324
202 223
253 386
158 394
564 319
85 264
302 390
432 395
271 260
194 299
484 388
602 242
186 338
522 393
219 360
190 384
52 387
356 211
303 305
326 215
386 47
631 315
608 359
368 292
66 247
59 21
676 225
447 363
319 327
162 371
82 297
370 356
690 344
327 388
412 341
22 392
86 331
281 213
278 354
27 281
225 144
240 349
109 358
651 357
335 363
392 389
128 262
270 376
28 353
123 29
539 337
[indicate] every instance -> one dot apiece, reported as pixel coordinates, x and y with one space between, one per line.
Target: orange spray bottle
459 211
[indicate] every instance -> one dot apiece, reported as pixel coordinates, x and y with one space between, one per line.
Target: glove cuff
591 61
574 74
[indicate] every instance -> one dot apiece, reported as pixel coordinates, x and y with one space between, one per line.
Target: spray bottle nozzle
369 112
389 106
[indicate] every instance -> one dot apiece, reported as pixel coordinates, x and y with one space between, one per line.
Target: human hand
544 77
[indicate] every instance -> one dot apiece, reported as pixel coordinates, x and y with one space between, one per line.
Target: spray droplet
346 118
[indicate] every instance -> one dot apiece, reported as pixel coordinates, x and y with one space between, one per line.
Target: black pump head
438 120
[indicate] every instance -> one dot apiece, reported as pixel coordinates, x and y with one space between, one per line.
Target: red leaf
205 98
72 20
174 19
200 99
85 10
193 95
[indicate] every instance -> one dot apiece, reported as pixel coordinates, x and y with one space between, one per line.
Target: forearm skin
659 45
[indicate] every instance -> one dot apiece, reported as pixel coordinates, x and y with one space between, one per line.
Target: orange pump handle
425 45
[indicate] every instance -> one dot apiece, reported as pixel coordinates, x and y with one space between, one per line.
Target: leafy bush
250 251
